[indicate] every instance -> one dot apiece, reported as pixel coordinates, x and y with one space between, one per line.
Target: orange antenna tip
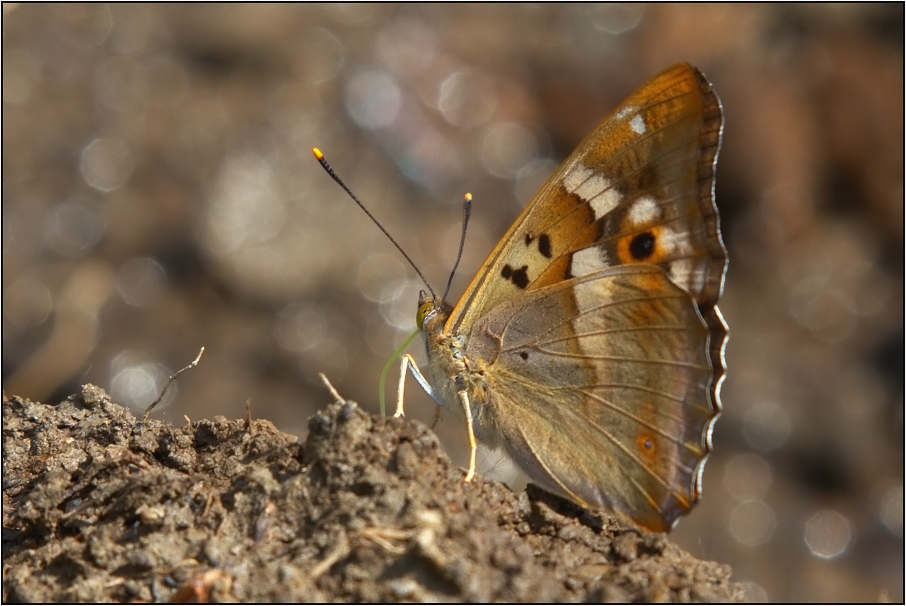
317 153
468 197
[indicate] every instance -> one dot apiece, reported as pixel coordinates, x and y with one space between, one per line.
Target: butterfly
589 348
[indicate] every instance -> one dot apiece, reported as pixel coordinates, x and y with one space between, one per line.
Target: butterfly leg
473 447
407 362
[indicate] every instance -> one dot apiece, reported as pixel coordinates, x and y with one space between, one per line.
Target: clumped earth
100 507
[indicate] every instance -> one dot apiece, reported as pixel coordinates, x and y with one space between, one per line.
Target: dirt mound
99 507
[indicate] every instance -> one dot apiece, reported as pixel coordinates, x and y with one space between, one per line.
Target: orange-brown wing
639 189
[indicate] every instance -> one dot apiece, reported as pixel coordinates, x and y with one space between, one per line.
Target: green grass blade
393 359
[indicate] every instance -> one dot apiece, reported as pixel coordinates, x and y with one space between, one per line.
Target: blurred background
159 194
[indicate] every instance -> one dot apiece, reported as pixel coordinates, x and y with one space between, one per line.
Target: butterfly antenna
320 158
466 213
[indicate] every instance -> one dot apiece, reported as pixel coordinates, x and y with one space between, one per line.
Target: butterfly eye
422 313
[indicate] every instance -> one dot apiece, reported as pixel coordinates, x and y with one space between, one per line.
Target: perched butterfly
589 347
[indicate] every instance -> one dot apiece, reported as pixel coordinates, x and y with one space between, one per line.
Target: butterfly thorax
451 369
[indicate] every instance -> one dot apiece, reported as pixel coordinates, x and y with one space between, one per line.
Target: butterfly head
432 312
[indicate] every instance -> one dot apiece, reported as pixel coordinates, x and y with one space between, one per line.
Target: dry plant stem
339 551
172 378
336 395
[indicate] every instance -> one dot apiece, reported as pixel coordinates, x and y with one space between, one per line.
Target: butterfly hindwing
633 384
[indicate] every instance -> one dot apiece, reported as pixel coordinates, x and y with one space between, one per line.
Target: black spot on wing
642 246
544 245
519 277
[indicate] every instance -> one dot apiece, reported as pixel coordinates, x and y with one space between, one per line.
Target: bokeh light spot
616 19
506 148
467 98
27 302
138 280
747 476
373 98
753 593
244 209
73 228
136 386
381 276
753 522
322 57
107 163
827 534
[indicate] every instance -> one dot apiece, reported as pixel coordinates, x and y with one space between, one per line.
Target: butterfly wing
618 417
639 189
607 283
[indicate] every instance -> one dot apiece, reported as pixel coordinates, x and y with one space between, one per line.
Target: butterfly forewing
637 190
